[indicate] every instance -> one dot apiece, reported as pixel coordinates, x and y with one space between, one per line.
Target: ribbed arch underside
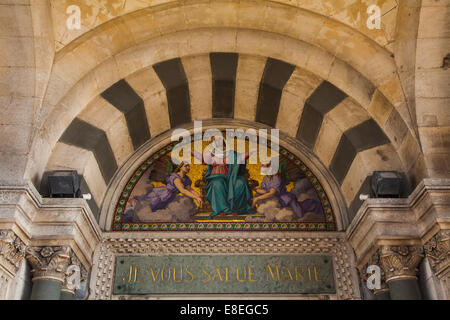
137 76
333 125
85 90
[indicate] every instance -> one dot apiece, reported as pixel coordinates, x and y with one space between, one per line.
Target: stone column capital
48 262
12 250
437 249
400 261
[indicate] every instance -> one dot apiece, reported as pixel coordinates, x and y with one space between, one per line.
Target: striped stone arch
136 80
139 159
267 91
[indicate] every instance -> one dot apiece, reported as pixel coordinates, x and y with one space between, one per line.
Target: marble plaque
235 274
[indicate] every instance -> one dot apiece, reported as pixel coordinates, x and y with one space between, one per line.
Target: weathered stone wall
433 86
17 84
26 58
350 12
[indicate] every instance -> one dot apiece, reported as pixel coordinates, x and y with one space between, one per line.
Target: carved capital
374 260
400 262
437 249
49 263
12 250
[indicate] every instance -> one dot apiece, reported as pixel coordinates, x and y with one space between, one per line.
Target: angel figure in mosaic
274 186
158 198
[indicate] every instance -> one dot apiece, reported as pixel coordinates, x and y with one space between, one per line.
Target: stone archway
119 246
325 177
279 59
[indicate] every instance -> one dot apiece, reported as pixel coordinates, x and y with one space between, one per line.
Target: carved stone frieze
49 263
12 250
437 249
400 262
104 258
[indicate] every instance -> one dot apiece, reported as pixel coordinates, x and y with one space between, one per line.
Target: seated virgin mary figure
227 189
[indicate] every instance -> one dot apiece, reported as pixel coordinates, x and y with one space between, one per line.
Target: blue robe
230 192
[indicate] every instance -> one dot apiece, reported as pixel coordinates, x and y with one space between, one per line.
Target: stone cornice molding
410 221
40 222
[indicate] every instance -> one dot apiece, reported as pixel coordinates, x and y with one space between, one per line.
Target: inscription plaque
236 274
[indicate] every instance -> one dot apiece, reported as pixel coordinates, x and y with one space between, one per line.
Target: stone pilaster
12 251
400 264
437 249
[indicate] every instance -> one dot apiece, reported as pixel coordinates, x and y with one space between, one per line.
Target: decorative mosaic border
118 225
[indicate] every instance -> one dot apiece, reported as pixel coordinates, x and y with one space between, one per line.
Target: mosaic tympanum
163 195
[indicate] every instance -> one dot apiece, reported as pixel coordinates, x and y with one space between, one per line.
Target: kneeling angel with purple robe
274 186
